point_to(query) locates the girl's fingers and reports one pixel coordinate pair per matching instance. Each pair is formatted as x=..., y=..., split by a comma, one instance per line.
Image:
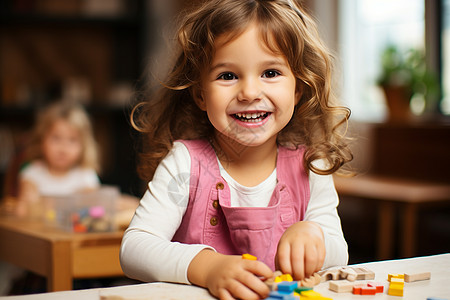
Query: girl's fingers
x=241, y=290
x=298, y=261
x=223, y=294
x=283, y=258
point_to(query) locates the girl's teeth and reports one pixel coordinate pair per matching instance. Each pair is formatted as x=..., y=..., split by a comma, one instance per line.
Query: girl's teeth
x=251, y=117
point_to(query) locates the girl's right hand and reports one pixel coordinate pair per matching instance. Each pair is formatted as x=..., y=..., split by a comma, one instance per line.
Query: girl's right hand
x=229, y=276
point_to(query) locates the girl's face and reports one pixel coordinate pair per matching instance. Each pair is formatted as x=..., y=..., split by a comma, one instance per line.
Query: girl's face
x=248, y=92
x=62, y=146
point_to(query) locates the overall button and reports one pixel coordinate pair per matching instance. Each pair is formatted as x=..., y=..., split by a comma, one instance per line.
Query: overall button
x=215, y=204
x=214, y=221
x=219, y=186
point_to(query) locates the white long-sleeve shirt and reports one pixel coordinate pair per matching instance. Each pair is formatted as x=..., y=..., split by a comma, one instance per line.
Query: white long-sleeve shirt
x=147, y=252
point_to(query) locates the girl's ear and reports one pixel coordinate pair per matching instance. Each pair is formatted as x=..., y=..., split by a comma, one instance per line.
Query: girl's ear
x=298, y=94
x=196, y=93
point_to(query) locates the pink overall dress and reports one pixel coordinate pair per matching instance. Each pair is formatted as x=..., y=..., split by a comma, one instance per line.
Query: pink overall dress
x=210, y=219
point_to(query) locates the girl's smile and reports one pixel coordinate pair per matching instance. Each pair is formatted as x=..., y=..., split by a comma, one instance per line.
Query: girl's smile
x=249, y=92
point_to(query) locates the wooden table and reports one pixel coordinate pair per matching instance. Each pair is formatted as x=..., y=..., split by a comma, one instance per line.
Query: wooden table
x=62, y=256
x=390, y=194
x=437, y=286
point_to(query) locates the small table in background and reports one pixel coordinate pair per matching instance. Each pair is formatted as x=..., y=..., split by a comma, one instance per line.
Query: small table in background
x=63, y=256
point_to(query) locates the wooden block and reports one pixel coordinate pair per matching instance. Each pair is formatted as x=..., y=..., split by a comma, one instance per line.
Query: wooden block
x=357, y=288
x=330, y=274
x=249, y=256
x=410, y=277
x=377, y=285
x=368, y=290
x=390, y=276
x=348, y=273
x=317, y=278
x=310, y=281
x=364, y=273
x=395, y=289
x=341, y=286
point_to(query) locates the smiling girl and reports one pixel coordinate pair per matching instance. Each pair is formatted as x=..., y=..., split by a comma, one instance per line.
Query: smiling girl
x=239, y=148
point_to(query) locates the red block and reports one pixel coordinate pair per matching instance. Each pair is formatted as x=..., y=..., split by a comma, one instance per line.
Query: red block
x=368, y=290
x=377, y=285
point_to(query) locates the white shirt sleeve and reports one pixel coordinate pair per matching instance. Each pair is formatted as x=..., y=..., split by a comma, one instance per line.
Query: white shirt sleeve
x=147, y=252
x=322, y=209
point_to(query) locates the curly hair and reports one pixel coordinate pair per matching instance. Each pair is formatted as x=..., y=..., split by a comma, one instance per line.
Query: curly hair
x=287, y=29
x=77, y=117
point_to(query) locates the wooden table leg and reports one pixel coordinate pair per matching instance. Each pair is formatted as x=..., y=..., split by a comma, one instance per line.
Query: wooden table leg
x=386, y=230
x=409, y=230
x=60, y=273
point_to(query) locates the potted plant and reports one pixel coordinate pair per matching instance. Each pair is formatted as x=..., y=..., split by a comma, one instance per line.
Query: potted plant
x=403, y=75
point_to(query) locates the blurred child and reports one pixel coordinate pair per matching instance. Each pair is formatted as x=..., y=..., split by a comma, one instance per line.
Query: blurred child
x=62, y=157
x=240, y=147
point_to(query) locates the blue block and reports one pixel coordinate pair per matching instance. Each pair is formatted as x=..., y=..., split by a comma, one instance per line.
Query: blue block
x=275, y=295
x=287, y=286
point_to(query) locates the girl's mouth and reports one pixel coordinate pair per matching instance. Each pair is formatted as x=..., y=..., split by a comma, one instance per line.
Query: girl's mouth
x=251, y=117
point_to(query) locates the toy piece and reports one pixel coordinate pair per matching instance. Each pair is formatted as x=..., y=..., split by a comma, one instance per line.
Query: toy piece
x=281, y=296
x=330, y=274
x=357, y=289
x=287, y=286
x=284, y=277
x=396, y=287
x=390, y=276
x=363, y=273
x=300, y=289
x=249, y=256
x=411, y=277
x=348, y=273
x=341, y=286
x=270, y=282
x=379, y=286
x=312, y=295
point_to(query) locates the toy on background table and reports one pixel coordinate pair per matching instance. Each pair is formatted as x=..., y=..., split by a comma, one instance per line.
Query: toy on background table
x=90, y=211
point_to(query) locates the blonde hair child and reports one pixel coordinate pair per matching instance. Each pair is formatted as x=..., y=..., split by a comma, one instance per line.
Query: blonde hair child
x=239, y=147
x=62, y=156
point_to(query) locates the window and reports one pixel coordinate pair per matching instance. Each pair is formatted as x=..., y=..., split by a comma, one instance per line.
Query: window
x=367, y=27
x=445, y=50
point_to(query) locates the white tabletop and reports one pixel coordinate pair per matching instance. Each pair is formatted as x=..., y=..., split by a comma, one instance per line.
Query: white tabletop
x=438, y=286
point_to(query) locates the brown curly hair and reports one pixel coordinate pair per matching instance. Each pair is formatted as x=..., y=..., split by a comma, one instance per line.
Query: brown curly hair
x=286, y=28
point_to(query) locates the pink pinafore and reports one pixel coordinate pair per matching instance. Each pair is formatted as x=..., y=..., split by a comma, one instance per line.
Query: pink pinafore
x=210, y=219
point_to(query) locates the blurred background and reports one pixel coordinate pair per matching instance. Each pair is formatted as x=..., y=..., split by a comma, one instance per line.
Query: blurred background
x=102, y=53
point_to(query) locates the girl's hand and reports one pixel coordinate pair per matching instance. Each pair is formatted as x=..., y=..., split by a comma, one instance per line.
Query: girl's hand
x=229, y=276
x=301, y=250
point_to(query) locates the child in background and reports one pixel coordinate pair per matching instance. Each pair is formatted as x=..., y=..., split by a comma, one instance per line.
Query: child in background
x=239, y=148
x=62, y=156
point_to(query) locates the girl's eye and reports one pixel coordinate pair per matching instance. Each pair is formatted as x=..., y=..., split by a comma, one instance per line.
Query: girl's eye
x=270, y=74
x=227, y=76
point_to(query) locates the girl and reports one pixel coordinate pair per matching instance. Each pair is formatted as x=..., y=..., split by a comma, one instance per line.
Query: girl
x=239, y=148
x=62, y=155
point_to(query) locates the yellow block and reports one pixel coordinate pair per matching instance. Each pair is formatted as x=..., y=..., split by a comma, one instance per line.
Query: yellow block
x=249, y=256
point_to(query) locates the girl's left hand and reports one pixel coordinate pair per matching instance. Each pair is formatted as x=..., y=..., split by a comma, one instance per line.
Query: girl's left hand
x=301, y=250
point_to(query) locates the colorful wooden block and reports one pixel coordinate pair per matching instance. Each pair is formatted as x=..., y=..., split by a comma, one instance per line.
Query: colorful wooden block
x=341, y=286
x=284, y=277
x=287, y=286
x=410, y=277
x=395, y=289
x=357, y=288
x=379, y=286
x=249, y=256
x=368, y=290
x=281, y=296
x=390, y=276
x=312, y=295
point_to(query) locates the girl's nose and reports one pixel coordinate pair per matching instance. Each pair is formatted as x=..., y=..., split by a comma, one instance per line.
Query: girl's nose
x=249, y=90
